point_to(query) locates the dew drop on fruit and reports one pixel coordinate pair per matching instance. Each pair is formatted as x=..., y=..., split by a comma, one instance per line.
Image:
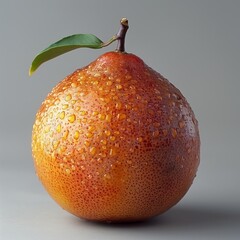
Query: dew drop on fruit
x=47, y=129
x=62, y=115
x=109, y=83
x=112, y=152
x=65, y=135
x=68, y=97
x=121, y=116
x=129, y=162
x=76, y=135
x=59, y=128
x=155, y=133
x=119, y=86
x=174, y=132
x=118, y=105
x=73, y=167
x=106, y=176
x=74, y=85
x=68, y=171
x=112, y=138
x=103, y=141
x=72, y=118
x=101, y=116
x=82, y=167
x=83, y=113
x=86, y=143
x=165, y=132
x=93, y=150
x=181, y=124
x=107, y=132
x=108, y=117
x=64, y=106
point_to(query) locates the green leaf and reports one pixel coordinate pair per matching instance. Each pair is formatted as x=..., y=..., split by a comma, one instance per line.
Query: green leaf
x=65, y=45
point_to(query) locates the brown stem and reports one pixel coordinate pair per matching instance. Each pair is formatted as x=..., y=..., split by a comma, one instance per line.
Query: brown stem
x=121, y=35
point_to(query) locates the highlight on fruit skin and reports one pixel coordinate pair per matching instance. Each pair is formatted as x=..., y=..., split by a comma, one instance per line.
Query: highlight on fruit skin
x=116, y=141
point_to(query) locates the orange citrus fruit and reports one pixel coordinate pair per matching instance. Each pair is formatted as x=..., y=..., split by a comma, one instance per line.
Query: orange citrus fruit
x=116, y=141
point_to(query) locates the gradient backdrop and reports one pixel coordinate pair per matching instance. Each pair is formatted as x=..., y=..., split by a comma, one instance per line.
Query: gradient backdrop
x=195, y=44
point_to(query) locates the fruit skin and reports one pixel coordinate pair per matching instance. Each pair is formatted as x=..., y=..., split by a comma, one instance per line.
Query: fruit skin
x=116, y=141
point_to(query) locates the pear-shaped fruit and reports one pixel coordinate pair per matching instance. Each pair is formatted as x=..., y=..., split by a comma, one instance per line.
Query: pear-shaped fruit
x=116, y=141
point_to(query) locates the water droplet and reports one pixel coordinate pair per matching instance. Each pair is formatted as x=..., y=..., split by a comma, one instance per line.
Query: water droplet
x=109, y=83
x=74, y=85
x=77, y=108
x=91, y=128
x=139, y=139
x=83, y=120
x=61, y=165
x=95, y=82
x=73, y=167
x=47, y=129
x=93, y=150
x=55, y=144
x=118, y=105
x=83, y=168
x=57, y=102
x=68, y=171
x=87, y=143
x=96, y=74
x=104, y=147
x=89, y=135
x=119, y=86
x=121, y=116
x=83, y=113
x=129, y=162
x=112, y=138
x=108, y=118
x=101, y=116
x=68, y=97
x=165, y=132
x=107, y=132
x=64, y=106
x=104, y=142
x=106, y=176
x=95, y=113
x=63, y=148
x=155, y=133
x=181, y=124
x=59, y=128
x=131, y=150
x=73, y=102
x=72, y=118
x=112, y=152
x=174, y=132
x=61, y=115
x=76, y=135
x=65, y=135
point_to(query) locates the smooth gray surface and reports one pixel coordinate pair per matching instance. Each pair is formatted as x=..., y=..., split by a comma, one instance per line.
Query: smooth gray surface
x=195, y=44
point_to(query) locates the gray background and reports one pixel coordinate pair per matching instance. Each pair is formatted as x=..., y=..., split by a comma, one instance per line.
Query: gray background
x=195, y=44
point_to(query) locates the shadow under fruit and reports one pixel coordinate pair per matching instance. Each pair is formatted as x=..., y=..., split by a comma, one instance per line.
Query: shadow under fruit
x=115, y=140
